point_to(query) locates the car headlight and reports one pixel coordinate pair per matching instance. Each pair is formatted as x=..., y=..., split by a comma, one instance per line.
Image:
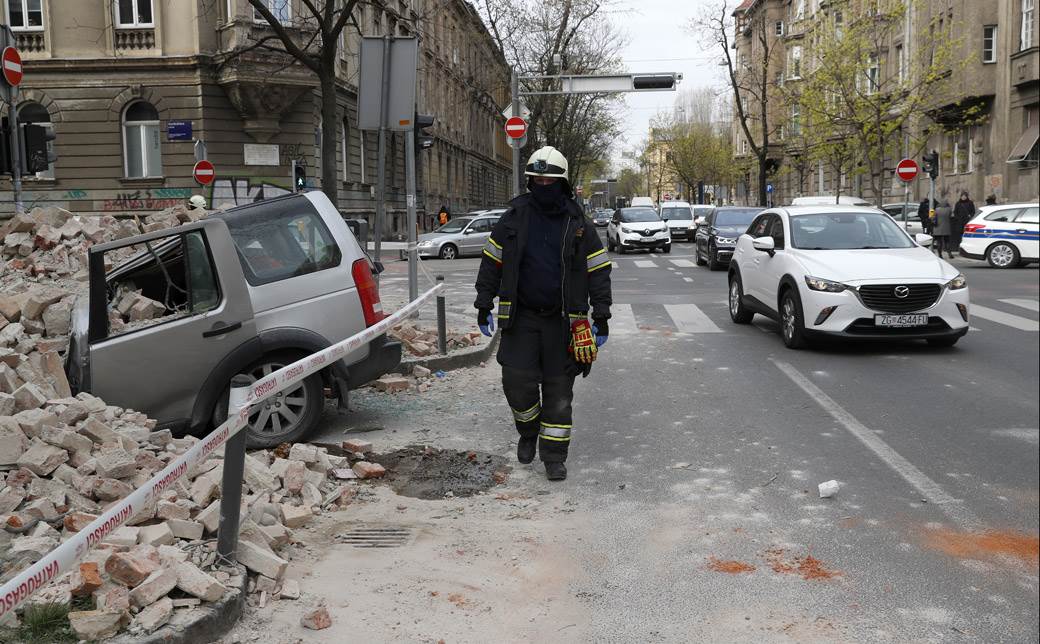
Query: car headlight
x=957, y=283
x=817, y=284
x=626, y=230
x=424, y=244
x=726, y=240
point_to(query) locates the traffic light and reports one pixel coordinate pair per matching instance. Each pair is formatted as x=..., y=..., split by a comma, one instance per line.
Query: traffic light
x=299, y=176
x=655, y=81
x=423, y=139
x=37, y=155
x=931, y=164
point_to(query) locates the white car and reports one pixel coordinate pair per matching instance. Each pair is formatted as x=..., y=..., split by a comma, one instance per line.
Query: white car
x=845, y=272
x=679, y=215
x=1006, y=236
x=828, y=200
x=640, y=227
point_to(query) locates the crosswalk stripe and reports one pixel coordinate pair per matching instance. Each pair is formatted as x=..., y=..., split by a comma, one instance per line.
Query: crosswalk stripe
x=622, y=320
x=1032, y=305
x=690, y=319
x=683, y=263
x=1000, y=317
x=645, y=263
x=687, y=279
x=613, y=265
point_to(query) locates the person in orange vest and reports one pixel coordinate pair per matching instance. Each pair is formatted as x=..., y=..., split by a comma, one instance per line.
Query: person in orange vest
x=443, y=216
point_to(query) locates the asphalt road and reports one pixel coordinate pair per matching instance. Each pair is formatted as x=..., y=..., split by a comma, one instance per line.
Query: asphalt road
x=699, y=444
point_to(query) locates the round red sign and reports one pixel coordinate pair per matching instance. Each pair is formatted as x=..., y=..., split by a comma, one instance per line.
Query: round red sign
x=11, y=64
x=204, y=173
x=907, y=170
x=516, y=128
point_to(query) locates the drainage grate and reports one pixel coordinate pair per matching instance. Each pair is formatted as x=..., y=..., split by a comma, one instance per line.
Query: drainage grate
x=376, y=537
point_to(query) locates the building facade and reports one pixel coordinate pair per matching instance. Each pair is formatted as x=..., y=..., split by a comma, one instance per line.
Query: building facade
x=132, y=87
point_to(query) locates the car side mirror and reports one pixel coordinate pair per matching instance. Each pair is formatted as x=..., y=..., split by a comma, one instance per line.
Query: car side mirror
x=764, y=244
x=923, y=239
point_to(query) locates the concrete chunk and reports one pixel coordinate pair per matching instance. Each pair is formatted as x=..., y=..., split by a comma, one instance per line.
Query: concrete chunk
x=115, y=462
x=366, y=470
x=157, y=585
x=159, y=534
x=93, y=625
x=260, y=561
x=182, y=529
x=13, y=442
x=154, y=616
x=28, y=396
x=210, y=517
x=128, y=569
x=42, y=459
x=295, y=516
x=197, y=583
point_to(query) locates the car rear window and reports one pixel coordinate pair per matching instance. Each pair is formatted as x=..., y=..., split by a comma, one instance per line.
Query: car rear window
x=275, y=247
x=1004, y=214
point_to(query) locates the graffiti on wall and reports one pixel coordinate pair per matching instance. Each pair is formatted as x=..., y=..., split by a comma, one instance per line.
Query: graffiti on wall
x=147, y=199
x=236, y=191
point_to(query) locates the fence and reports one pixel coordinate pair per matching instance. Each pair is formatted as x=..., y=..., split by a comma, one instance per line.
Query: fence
x=61, y=560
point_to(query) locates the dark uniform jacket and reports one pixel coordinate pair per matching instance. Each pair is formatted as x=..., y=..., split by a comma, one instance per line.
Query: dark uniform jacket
x=586, y=266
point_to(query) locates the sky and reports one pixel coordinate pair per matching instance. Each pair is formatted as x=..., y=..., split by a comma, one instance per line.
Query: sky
x=658, y=41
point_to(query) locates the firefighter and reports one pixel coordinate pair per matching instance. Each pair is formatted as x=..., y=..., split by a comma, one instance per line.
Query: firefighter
x=545, y=263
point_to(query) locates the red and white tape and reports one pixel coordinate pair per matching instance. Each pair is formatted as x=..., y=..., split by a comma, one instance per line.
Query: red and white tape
x=59, y=561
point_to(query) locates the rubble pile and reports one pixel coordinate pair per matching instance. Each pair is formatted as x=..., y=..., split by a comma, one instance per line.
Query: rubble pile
x=423, y=342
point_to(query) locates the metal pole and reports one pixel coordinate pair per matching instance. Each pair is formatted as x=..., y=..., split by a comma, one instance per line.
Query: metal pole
x=381, y=170
x=442, y=323
x=10, y=96
x=931, y=206
x=515, y=84
x=231, y=482
x=413, y=255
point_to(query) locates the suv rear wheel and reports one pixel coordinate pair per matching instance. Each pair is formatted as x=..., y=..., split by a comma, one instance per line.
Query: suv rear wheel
x=289, y=415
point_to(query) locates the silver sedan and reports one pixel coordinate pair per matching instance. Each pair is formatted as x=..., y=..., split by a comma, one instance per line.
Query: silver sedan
x=459, y=237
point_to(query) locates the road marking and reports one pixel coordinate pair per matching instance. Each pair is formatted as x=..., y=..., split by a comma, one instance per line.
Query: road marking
x=645, y=263
x=1032, y=305
x=683, y=263
x=1015, y=321
x=920, y=481
x=622, y=320
x=613, y=265
x=690, y=319
x=687, y=279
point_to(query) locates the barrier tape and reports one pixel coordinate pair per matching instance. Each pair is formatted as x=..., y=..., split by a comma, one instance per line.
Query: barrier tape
x=60, y=560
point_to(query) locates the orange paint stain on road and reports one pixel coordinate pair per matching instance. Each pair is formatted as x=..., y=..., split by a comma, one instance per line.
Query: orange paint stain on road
x=729, y=566
x=988, y=545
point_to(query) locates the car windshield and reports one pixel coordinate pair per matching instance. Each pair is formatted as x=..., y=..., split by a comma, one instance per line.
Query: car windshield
x=677, y=213
x=635, y=215
x=454, y=226
x=736, y=216
x=847, y=230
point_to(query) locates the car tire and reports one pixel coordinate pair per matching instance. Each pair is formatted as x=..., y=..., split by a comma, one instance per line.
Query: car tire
x=713, y=260
x=697, y=258
x=610, y=244
x=308, y=403
x=942, y=342
x=667, y=248
x=449, y=251
x=792, y=324
x=1002, y=255
x=620, y=248
x=737, y=311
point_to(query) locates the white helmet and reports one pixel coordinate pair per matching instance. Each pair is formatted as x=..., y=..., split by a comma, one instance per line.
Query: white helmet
x=547, y=162
x=197, y=201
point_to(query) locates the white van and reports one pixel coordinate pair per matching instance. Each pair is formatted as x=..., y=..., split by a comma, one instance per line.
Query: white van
x=830, y=200
x=646, y=202
x=679, y=215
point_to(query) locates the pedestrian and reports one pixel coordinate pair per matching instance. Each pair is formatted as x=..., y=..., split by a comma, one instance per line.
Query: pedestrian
x=546, y=264
x=443, y=216
x=924, y=214
x=963, y=211
x=991, y=199
x=941, y=230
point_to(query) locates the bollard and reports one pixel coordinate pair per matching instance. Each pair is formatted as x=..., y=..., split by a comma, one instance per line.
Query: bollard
x=442, y=323
x=231, y=483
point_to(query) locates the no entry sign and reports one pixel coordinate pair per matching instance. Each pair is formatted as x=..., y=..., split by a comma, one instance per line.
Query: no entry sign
x=11, y=63
x=907, y=170
x=204, y=173
x=516, y=127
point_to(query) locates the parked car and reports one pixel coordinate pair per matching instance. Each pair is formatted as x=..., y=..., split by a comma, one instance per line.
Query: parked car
x=246, y=291
x=638, y=227
x=679, y=215
x=897, y=211
x=830, y=200
x=717, y=235
x=462, y=236
x=1006, y=236
x=845, y=272
x=601, y=217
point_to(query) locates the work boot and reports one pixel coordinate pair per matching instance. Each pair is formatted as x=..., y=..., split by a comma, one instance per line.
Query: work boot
x=525, y=449
x=555, y=471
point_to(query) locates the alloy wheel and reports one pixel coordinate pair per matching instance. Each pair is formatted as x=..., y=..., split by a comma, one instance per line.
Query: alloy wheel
x=788, y=318
x=1002, y=255
x=734, y=298
x=280, y=414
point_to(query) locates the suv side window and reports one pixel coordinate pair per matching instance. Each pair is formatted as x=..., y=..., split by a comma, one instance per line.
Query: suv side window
x=286, y=245
x=759, y=227
x=777, y=231
x=1028, y=216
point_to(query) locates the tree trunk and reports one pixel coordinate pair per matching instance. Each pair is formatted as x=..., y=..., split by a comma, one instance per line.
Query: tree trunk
x=763, y=165
x=329, y=128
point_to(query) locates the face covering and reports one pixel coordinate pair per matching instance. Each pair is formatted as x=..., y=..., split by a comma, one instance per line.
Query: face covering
x=548, y=196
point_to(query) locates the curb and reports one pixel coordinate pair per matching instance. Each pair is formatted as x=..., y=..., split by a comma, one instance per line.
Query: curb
x=215, y=620
x=458, y=360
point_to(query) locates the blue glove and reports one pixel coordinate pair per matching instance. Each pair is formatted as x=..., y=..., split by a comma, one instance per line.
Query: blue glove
x=486, y=322
x=601, y=330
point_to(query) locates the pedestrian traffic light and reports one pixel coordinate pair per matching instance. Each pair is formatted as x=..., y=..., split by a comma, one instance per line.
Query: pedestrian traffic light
x=38, y=156
x=423, y=139
x=931, y=164
x=299, y=176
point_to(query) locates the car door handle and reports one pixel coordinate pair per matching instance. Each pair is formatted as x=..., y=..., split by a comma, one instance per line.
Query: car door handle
x=1020, y=230
x=222, y=329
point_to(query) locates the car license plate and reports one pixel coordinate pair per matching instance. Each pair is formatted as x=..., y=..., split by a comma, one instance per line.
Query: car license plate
x=648, y=239
x=916, y=319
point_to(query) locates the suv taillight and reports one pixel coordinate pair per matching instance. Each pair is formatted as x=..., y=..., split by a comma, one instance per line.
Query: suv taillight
x=970, y=228
x=368, y=291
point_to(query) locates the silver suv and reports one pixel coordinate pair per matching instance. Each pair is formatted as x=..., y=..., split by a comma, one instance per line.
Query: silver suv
x=245, y=291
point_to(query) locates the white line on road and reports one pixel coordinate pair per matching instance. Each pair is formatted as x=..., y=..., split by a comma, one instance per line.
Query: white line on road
x=1032, y=305
x=920, y=481
x=683, y=263
x=687, y=279
x=622, y=320
x=645, y=263
x=1015, y=321
x=613, y=265
x=690, y=319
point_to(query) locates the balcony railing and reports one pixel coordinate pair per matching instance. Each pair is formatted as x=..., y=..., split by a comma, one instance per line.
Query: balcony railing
x=134, y=39
x=30, y=41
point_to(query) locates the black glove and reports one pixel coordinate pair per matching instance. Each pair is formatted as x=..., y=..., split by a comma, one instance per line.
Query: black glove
x=573, y=368
x=602, y=331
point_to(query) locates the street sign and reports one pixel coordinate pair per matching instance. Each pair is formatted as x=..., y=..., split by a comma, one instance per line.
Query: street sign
x=11, y=62
x=907, y=170
x=516, y=127
x=204, y=173
x=525, y=112
x=178, y=130
x=400, y=94
x=667, y=197
x=518, y=143
x=769, y=188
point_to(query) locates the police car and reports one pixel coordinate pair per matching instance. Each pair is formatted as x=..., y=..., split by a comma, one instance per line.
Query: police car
x=1006, y=236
